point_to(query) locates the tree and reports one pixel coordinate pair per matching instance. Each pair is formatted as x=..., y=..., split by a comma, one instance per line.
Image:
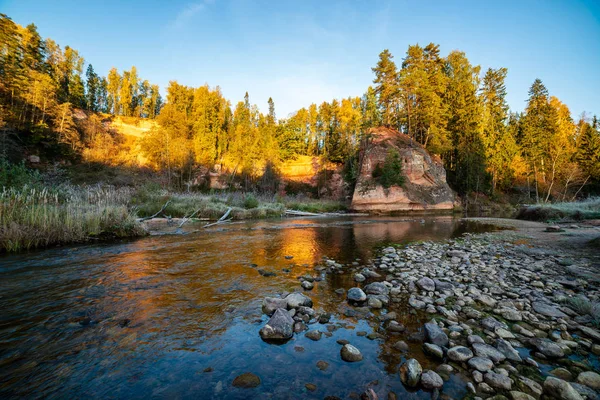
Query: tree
x=386, y=87
x=466, y=162
x=588, y=152
x=93, y=89
x=423, y=85
x=499, y=144
x=538, y=127
x=113, y=88
x=370, y=113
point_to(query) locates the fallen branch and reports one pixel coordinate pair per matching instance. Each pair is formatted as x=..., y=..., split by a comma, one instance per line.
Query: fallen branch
x=302, y=213
x=221, y=220
x=186, y=219
x=158, y=213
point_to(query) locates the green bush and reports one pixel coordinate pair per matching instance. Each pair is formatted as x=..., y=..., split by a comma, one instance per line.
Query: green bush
x=250, y=201
x=18, y=175
x=390, y=173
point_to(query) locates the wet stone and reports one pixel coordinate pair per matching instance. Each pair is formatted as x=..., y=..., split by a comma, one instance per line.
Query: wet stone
x=350, y=353
x=246, y=381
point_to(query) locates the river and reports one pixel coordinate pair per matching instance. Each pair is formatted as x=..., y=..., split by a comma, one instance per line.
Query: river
x=177, y=315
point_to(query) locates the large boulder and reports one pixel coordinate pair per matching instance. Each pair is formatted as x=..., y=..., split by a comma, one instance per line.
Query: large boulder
x=425, y=186
x=296, y=300
x=279, y=327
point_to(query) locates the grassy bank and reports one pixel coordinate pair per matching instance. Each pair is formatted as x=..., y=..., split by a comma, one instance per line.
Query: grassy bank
x=214, y=205
x=33, y=217
x=573, y=211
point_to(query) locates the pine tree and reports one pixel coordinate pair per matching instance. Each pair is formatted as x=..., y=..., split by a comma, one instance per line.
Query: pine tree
x=370, y=113
x=271, y=117
x=386, y=88
x=114, y=88
x=588, y=153
x=92, y=86
x=466, y=162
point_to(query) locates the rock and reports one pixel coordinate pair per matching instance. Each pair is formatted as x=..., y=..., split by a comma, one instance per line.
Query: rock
x=394, y=326
x=562, y=373
x=547, y=347
x=34, y=159
x=497, y=381
x=350, y=353
x=266, y=273
x=377, y=288
x=506, y=348
x=426, y=284
x=486, y=300
x=591, y=333
x=434, y=334
x=487, y=351
x=313, y=335
x=520, y=396
x=296, y=300
x=270, y=304
x=431, y=380
x=441, y=286
x=510, y=314
x=460, y=354
x=491, y=324
x=322, y=365
x=356, y=294
x=554, y=228
x=359, y=277
x=306, y=285
x=279, y=327
x=584, y=391
x=530, y=387
x=559, y=389
x=374, y=302
x=311, y=387
x=547, y=310
x=481, y=364
x=246, y=381
x=410, y=372
x=433, y=350
x=401, y=345
x=425, y=186
x=589, y=379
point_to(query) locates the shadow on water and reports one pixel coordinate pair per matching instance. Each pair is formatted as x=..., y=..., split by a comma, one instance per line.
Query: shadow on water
x=177, y=316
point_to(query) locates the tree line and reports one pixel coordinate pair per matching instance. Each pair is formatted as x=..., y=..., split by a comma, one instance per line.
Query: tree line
x=445, y=103
x=43, y=83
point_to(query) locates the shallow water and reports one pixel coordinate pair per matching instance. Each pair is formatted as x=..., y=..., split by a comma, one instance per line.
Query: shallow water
x=146, y=318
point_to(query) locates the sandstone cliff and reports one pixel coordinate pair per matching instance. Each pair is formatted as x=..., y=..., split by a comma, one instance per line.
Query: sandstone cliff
x=425, y=186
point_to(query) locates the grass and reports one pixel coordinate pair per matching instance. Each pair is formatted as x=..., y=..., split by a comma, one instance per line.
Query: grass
x=32, y=217
x=583, y=306
x=577, y=210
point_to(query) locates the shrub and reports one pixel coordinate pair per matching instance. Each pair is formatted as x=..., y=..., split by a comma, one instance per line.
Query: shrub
x=390, y=173
x=250, y=201
x=17, y=175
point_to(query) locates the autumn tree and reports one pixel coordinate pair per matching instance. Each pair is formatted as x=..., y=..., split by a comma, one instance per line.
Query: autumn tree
x=386, y=87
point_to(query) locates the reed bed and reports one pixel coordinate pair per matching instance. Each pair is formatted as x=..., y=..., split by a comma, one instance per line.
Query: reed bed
x=32, y=217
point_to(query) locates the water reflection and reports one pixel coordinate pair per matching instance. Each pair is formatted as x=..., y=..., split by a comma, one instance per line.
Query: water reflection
x=147, y=318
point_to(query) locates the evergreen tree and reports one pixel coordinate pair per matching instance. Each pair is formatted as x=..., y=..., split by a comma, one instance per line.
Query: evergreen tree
x=588, y=153
x=386, y=88
x=466, y=162
x=93, y=88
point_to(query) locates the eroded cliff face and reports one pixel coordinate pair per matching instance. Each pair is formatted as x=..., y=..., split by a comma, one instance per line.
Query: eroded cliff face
x=425, y=186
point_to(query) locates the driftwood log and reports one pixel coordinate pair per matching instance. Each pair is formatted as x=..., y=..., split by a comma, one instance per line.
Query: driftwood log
x=158, y=213
x=221, y=220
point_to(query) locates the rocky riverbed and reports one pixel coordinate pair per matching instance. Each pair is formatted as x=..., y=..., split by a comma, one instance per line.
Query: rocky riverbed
x=514, y=320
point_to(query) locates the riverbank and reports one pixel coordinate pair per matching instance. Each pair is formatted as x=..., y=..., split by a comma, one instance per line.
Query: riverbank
x=514, y=313
x=37, y=216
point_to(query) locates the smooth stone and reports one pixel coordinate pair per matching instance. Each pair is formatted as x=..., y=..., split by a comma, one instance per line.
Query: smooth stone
x=460, y=354
x=497, y=381
x=350, y=353
x=356, y=294
x=487, y=351
x=246, y=381
x=589, y=379
x=426, y=284
x=433, y=350
x=547, y=348
x=481, y=364
x=377, y=288
x=547, y=309
x=296, y=300
x=313, y=335
x=434, y=334
x=431, y=380
x=559, y=389
x=410, y=372
x=270, y=304
x=506, y=348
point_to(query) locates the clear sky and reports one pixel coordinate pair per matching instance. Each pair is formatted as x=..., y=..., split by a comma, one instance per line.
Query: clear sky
x=300, y=52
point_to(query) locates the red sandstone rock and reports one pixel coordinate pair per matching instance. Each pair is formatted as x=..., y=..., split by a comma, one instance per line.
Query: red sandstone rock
x=425, y=187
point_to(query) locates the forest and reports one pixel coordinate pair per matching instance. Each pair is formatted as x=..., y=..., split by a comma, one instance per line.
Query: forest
x=444, y=102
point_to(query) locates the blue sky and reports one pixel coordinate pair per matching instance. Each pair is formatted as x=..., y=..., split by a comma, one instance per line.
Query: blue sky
x=301, y=52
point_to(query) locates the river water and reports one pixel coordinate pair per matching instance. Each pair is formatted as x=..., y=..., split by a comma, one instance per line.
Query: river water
x=177, y=316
